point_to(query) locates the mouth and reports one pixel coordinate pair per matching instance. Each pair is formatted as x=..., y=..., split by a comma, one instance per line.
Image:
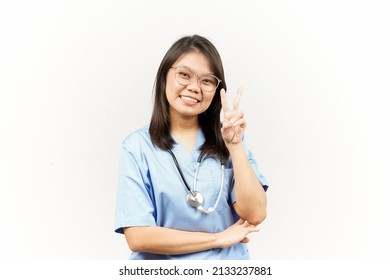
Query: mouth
x=188, y=98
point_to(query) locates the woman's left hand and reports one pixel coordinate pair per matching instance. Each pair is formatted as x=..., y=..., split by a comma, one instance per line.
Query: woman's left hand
x=234, y=124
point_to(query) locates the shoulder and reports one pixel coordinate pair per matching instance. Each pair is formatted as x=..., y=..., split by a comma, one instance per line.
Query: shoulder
x=138, y=140
x=139, y=135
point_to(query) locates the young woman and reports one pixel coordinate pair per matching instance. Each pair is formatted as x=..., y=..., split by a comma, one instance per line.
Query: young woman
x=189, y=188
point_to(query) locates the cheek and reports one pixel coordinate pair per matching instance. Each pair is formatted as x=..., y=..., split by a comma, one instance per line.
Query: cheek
x=170, y=90
x=168, y=87
x=172, y=87
x=209, y=97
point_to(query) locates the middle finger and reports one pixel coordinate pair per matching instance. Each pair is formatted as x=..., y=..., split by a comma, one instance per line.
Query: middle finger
x=236, y=102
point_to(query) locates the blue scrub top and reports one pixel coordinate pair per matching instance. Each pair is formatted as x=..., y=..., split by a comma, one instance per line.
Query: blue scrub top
x=152, y=193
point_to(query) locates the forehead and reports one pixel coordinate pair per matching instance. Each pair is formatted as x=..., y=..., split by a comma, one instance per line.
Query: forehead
x=195, y=60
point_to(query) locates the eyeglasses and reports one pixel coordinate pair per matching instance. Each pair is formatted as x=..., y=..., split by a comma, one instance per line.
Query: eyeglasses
x=185, y=76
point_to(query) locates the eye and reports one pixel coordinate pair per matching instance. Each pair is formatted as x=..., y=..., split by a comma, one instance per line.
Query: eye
x=184, y=74
x=209, y=80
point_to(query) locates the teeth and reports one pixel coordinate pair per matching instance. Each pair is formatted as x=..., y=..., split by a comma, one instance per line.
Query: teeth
x=189, y=98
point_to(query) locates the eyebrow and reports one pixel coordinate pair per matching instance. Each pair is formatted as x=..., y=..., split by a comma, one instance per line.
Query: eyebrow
x=180, y=65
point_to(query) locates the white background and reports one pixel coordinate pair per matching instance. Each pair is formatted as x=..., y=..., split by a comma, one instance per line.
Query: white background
x=76, y=77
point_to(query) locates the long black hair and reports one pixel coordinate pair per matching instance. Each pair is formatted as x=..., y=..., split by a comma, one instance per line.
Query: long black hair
x=209, y=121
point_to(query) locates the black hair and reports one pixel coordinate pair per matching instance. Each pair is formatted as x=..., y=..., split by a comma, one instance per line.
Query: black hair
x=209, y=121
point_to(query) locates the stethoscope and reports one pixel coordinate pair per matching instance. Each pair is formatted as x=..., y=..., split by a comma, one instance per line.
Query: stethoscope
x=194, y=198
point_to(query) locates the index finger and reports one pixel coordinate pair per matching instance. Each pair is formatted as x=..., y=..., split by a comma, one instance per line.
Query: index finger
x=224, y=103
x=236, y=102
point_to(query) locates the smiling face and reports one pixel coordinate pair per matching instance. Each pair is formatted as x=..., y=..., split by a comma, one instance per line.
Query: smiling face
x=187, y=102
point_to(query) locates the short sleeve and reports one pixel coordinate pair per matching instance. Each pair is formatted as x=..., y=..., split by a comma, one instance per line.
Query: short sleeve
x=135, y=202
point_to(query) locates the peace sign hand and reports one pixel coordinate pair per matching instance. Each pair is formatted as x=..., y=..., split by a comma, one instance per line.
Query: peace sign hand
x=234, y=124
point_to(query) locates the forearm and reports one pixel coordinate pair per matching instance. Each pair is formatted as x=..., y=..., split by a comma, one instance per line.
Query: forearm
x=160, y=240
x=250, y=196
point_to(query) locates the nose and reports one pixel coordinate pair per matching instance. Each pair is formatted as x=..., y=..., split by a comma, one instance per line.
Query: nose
x=195, y=85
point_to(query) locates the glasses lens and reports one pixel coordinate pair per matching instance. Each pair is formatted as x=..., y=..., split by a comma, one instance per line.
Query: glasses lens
x=186, y=76
x=208, y=83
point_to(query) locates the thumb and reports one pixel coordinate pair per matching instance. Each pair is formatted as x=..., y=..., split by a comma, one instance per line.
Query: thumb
x=245, y=240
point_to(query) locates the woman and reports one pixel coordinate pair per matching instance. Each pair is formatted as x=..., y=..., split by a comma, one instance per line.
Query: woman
x=189, y=188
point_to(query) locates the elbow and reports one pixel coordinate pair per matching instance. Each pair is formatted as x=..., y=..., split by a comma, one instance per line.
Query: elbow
x=258, y=218
x=134, y=241
x=253, y=216
x=134, y=247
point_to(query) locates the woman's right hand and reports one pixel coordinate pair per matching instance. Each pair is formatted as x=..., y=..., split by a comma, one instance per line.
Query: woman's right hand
x=235, y=233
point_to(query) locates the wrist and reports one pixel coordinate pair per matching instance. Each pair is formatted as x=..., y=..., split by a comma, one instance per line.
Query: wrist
x=217, y=241
x=234, y=147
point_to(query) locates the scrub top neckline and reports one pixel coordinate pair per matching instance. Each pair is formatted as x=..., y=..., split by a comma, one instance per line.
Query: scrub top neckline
x=184, y=155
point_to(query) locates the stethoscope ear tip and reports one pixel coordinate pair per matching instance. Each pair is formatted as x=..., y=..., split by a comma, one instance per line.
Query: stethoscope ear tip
x=208, y=211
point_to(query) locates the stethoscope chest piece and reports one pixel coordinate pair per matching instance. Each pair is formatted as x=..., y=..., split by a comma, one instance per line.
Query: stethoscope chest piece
x=194, y=199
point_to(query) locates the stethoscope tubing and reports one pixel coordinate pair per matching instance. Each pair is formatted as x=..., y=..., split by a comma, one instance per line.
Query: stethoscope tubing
x=180, y=171
x=193, y=192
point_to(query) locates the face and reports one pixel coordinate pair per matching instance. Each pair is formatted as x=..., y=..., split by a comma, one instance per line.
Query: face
x=188, y=101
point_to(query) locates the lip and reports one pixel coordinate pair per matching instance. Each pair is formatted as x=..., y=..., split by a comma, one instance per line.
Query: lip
x=188, y=98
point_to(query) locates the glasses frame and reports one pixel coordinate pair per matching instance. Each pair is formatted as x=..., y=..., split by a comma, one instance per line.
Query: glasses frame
x=198, y=78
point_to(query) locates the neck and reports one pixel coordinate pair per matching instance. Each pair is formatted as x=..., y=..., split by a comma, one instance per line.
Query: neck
x=185, y=130
x=179, y=125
